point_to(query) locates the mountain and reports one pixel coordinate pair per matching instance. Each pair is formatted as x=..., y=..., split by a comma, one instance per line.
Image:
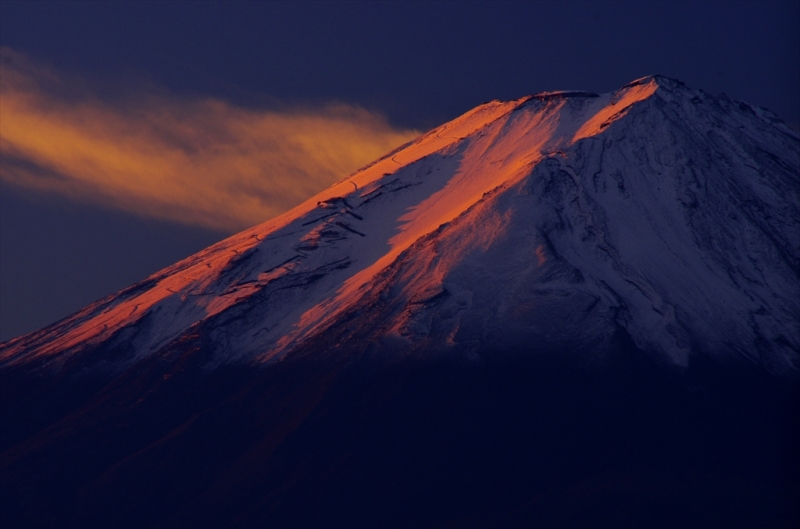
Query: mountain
x=572, y=309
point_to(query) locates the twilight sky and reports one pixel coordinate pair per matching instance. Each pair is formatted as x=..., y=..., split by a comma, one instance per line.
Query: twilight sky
x=133, y=134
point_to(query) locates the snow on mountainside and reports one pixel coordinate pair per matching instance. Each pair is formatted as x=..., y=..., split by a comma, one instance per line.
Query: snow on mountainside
x=553, y=220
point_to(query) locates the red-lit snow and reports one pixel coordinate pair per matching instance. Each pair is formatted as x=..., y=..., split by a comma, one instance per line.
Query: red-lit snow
x=567, y=214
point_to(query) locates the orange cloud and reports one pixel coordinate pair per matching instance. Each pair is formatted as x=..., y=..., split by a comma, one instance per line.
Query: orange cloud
x=199, y=161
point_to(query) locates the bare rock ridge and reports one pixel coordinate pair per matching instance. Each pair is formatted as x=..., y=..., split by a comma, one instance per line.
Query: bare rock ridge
x=553, y=219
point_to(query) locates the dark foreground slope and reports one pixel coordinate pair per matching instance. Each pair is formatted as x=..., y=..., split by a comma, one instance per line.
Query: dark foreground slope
x=321, y=443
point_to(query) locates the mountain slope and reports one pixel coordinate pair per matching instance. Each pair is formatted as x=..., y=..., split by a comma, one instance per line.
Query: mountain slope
x=569, y=310
x=658, y=208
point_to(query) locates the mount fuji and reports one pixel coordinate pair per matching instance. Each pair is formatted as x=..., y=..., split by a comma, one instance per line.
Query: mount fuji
x=570, y=309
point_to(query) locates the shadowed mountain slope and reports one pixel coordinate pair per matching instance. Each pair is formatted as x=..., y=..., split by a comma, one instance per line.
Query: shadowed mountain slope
x=570, y=309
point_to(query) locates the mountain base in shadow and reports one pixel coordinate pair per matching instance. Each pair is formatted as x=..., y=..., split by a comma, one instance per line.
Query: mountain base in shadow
x=342, y=443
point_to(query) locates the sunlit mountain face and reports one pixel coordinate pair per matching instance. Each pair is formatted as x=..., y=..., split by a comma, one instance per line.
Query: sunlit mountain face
x=567, y=310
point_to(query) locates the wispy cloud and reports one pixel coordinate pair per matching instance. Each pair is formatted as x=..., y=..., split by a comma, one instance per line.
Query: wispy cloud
x=200, y=161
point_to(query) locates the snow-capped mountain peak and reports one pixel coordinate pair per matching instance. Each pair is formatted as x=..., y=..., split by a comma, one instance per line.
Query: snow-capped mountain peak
x=555, y=221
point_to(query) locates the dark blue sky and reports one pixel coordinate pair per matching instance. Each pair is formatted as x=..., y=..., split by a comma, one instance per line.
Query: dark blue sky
x=417, y=63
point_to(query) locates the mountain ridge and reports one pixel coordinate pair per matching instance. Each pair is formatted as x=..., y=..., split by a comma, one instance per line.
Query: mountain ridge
x=564, y=311
x=542, y=129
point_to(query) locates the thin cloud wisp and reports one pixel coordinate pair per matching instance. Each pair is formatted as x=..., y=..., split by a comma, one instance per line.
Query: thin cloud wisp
x=203, y=161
